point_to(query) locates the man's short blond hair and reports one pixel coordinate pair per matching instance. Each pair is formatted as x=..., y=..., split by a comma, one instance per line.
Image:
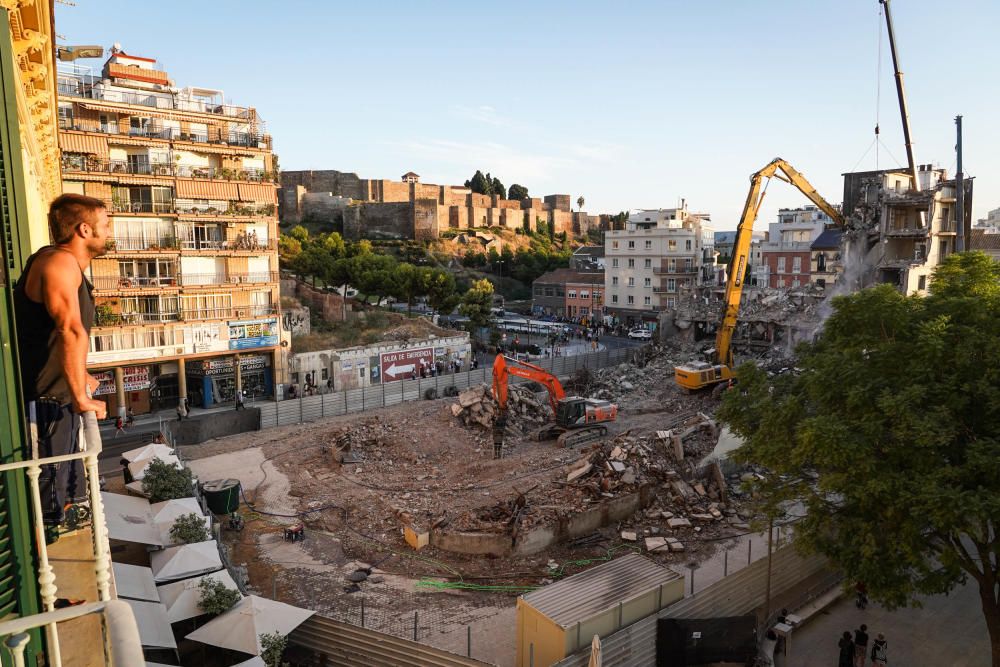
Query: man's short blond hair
x=69, y=211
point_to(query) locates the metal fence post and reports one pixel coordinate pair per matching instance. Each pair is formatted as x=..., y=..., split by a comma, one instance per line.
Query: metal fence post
x=363, y=397
x=725, y=563
x=345, y=399
x=414, y=626
x=468, y=641
x=322, y=405
x=749, y=547
x=362, y=611
x=300, y=408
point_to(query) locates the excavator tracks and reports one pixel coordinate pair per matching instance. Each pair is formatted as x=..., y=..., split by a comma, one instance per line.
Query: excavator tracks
x=581, y=436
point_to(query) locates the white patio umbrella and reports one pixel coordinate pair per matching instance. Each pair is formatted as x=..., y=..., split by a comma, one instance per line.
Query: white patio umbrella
x=255, y=661
x=240, y=628
x=187, y=560
x=165, y=515
x=138, y=468
x=181, y=597
x=150, y=451
x=595, y=652
x=133, y=581
x=154, y=630
x=129, y=519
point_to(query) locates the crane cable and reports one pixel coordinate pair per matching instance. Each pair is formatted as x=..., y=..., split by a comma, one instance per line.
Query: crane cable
x=878, y=81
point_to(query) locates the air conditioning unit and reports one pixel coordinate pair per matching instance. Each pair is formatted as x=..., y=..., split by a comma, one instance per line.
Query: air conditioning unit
x=178, y=350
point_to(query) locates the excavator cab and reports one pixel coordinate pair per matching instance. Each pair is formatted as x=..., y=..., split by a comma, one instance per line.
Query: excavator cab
x=570, y=411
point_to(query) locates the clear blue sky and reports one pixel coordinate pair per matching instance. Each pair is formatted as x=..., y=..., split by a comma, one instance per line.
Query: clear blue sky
x=631, y=104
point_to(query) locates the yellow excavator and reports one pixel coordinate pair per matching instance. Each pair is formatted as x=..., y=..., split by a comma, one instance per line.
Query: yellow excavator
x=719, y=366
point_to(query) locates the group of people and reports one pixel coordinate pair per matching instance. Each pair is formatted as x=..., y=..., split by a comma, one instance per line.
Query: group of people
x=855, y=652
x=247, y=241
x=122, y=423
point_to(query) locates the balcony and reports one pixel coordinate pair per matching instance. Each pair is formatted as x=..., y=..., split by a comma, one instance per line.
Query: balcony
x=118, y=206
x=133, y=282
x=77, y=163
x=680, y=270
x=214, y=279
x=77, y=566
x=237, y=244
x=233, y=208
x=141, y=243
x=227, y=313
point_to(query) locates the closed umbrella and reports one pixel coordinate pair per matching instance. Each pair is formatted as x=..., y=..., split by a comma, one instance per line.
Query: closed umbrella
x=239, y=629
x=595, y=652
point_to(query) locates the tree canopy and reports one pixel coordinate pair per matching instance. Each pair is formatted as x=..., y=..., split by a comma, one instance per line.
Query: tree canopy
x=477, y=303
x=517, y=192
x=888, y=434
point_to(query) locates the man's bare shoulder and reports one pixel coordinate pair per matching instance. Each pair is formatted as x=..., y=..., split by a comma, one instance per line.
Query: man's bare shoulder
x=60, y=265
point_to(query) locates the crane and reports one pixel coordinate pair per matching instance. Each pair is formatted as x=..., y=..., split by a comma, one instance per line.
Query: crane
x=719, y=368
x=577, y=419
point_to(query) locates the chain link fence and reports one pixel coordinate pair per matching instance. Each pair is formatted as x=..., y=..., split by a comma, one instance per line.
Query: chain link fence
x=309, y=408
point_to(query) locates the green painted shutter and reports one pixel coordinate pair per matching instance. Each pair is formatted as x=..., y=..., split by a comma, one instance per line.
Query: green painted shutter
x=18, y=583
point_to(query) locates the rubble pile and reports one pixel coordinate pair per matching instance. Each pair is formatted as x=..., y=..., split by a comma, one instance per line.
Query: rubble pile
x=526, y=410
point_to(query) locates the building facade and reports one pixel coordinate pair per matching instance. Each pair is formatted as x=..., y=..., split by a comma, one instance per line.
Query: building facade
x=786, y=254
x=660, y=256
x=826, y=262
x=568, y=293
x=187, y=298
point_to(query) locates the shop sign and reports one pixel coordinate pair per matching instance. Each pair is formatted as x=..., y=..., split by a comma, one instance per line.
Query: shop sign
x=346, y=365
x=404, y=364
x=136, y=378
x=107, y=380
x=224, y=365
x=253, y=333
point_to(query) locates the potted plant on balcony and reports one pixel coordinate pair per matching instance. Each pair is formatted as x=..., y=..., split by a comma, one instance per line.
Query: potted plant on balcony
x=106, y=316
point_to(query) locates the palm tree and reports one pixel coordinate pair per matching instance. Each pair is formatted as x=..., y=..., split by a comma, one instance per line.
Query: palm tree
x=579, y=203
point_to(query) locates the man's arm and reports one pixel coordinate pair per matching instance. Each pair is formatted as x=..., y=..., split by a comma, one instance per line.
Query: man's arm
x=60, y=282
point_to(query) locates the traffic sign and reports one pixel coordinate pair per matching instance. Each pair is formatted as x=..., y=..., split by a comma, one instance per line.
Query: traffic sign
x=404, y=364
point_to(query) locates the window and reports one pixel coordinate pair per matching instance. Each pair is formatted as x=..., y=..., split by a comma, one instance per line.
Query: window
x=361, y=373
x=671, y=285
x=671, y=302
x=821, y=262
x=549, y=291
x=781, y=266
x=796, y=265
x=631, y=299
x=672, y=265
x=614, y=281
x=795, y=282
x=614, y=298
x=539, y=291
x=631, y=263
x=687, y=244
x=922, y=283
x=781, y=282
x=295, y=378
x=944, y=249
x=584, y=310
x=647, y=282
x=324, y=374
x=571, y=294
x=631, y=245
x=671, y=245
x=631, y=281
x=646, y=301
x=584, y=294
x=649, y=244
x=614, y=244
x=647, y=264
x=614, y=263
x=687, y=264
x=560, y=291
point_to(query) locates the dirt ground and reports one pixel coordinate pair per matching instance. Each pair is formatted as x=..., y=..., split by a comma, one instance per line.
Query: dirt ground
x=416, y=462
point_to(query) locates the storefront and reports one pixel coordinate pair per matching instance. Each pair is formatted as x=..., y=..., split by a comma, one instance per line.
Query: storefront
x=211, y=382
x=145, y=388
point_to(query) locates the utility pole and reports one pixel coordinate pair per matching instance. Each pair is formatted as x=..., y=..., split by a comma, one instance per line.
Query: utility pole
x=960, y=195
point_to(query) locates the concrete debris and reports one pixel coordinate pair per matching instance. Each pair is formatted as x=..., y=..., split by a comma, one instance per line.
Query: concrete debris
x=525, y=411
x=628, y=535
x=656, y=544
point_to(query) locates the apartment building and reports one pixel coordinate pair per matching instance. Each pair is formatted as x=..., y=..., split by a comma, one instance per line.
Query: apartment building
x=908, y=230
x=660, y=256
x=786, y=253
x=826, y=261
x=187, y=298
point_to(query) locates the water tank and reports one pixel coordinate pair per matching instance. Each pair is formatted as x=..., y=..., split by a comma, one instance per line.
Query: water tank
x=222, y=495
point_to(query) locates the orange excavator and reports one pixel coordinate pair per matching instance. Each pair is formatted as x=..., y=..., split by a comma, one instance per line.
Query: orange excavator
x=577, y=419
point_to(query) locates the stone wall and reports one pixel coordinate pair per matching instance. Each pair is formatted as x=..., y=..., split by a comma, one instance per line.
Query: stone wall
x=330, y=306
x=559, y=202
x=379, y=221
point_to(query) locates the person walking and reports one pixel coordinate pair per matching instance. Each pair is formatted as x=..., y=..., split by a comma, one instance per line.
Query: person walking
x=119, y=425
x=860, y=645
x=54, y=311
x=180, y=411
x=846, y=645
x=239, y=400
x=879, y=653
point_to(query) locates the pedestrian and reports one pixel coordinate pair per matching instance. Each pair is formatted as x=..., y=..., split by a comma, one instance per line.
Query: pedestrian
x=54, y=311
x=860, y=645
x=239, y=400
x=846, y=645
x=181, y=411
x=129, y=418
x=187, y=408
x=879, y=651
x=119, y=425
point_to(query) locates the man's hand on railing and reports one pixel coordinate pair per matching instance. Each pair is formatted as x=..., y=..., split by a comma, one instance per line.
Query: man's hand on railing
x=99, y=408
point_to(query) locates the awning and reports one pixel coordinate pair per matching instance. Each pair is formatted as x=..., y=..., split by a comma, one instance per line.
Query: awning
x=154, y=628
x=135, y=582
x=181, y=597
x=129, y=519
x=259, y=192
x=147, y=452
x=187, y=560
x=76, y=142
x=138, y=468
x=134, y=110
x=239, y=629
x=125, y=140
x=165, y=515
x=190, y=189
x=221, y=149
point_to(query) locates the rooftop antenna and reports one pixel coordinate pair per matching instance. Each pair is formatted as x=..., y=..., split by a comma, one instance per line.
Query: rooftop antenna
x=911, y=164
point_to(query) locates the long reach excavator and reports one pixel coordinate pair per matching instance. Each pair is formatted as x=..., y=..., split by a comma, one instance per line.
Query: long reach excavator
x=577, y=419
x=719, y=366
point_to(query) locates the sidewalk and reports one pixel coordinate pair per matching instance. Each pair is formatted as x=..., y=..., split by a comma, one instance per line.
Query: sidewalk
x=948, y=630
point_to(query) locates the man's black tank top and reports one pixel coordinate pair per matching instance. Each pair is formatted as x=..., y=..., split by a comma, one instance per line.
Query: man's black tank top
x=39, y=344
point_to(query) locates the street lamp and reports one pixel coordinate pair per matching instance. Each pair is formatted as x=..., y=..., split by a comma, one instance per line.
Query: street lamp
x=500, y=283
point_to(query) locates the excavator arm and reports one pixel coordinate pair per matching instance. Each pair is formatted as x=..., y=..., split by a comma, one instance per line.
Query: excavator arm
x=503, y=367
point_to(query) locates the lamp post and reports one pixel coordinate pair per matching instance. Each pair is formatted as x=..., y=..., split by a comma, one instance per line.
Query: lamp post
x=500, y=283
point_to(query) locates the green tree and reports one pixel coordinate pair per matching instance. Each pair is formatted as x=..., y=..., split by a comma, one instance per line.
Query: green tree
x=580, y=201
x=215, y=597
x=441, y=291
x=480, y=184
x=498, y=188
x=299, y=233
x=289, y=249
x=477, y=303
x=517, y=192
x=888, y=436
x=188, y=529
x=375, y=276
x=272, y=647
x=164, y=481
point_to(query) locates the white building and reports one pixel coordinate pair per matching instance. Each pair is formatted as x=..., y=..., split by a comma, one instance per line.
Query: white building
x=990, y=222
x=785, y=255
x=659, y=257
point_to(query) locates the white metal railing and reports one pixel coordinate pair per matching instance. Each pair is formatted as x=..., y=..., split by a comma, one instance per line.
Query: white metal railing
x=90, y=449
x=122, y=645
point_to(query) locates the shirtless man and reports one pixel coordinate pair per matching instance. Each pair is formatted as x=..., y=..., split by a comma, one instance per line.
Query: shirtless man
x=54, y=310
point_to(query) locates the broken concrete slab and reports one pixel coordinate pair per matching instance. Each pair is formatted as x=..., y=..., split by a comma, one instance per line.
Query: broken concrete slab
x=656, y=543
x=628, y=535
x=579, y=472
x=678, y=522
x=674, y=544
x=418, y=539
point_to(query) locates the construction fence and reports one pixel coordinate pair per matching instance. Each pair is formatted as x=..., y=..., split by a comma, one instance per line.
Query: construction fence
x=309, y=408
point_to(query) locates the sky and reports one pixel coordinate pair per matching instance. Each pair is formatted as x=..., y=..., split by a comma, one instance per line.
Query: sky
x=630, y=104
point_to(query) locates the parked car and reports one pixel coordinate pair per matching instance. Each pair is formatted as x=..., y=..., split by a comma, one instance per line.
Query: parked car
x=640, y=334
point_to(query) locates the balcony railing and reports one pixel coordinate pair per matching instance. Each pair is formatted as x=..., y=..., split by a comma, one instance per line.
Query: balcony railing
x=142, y=207
x=237, y=312
x=132, y=243
x=90, y=450
x=233, y=208
x=76, y=163
x=662, y=271
x=229, y=244
x=213, y=136
x=196, y=279
x=133, y=282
